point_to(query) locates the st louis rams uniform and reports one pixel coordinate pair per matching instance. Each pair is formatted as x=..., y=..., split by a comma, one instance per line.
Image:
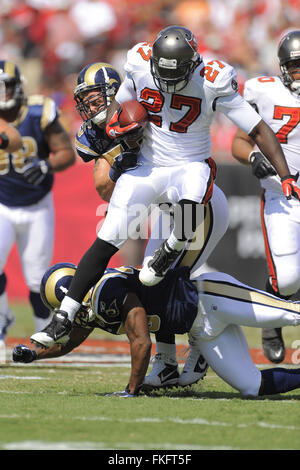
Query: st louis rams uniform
x=280, y=108
x=91, y=142
x=175, y=151
x=35, y=117
x=172, y=306
x=26, y=210
x=210, y=307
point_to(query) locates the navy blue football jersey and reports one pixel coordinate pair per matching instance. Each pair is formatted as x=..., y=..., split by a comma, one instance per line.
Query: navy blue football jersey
x=35, y=116
x=91, y=142
x=171, y=306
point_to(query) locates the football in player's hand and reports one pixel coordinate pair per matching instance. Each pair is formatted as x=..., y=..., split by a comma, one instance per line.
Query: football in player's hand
x=132, y=111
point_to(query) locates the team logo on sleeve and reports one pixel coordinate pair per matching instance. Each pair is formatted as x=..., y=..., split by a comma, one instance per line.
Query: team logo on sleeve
x=234, y=84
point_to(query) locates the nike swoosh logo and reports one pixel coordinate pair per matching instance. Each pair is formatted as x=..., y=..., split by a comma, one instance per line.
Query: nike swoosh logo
x=164, y=377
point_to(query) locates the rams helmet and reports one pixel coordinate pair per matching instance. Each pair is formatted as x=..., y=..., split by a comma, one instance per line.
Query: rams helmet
x=289, y=59
x=55, y=284
x=174, y=58
x=11, y=90
x=105, y=81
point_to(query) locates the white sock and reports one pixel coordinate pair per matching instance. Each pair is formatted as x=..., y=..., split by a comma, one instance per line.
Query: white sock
x=70, y=306
x=174, y=243
x=168, y=349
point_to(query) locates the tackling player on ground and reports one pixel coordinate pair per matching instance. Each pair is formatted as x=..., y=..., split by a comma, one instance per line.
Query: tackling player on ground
x=209, y=307
x=277, y=99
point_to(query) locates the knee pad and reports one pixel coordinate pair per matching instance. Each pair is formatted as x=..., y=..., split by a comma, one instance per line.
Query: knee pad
x=3, y=281
x=39, y=309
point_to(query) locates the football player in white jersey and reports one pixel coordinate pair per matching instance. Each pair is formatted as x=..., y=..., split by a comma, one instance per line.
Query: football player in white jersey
x=277, y=100
x=181, y=94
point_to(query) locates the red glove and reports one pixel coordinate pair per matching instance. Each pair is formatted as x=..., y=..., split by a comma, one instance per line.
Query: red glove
x=289, y=186
x=114, y=130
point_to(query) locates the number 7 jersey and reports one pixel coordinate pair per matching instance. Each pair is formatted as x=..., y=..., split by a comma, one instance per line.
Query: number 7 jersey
x=280, y=109
x=179, y=123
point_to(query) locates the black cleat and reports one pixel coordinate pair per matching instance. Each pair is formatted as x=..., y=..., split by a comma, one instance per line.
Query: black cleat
x=153, y=272
x=273, y=344
x=56, y=332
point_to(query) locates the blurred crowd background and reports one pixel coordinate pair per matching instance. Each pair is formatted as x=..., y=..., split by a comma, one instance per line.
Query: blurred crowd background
x=51, y=40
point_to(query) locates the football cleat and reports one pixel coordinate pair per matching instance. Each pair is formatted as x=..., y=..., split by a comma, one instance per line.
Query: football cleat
x=273, y=344
x=195, y=369
x=164, y=373
x=154, y=271
x=56, y=332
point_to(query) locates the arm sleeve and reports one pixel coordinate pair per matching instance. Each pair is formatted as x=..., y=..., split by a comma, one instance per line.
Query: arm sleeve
x=126, y=91
x=241, y=113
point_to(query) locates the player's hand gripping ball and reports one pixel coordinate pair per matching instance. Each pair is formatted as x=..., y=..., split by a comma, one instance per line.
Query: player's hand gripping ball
x=130, y=116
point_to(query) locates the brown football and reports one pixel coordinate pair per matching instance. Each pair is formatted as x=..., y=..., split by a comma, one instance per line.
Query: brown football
x=132, y=111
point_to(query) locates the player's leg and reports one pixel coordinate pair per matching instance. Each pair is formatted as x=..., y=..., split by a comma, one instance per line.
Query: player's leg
x=210, y=231
x=280, y=224
x=132, y=196
x=193, y=185
x=228, y=355
x=35, y=238
x=7, y=240
x=223, y=301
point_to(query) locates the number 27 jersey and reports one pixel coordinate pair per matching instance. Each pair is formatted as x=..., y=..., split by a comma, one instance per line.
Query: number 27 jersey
x=179, y=123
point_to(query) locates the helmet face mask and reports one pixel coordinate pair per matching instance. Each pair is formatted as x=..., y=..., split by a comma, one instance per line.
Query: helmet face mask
x=11, y=91
x=174, y=58
x=96, y=87
x=289, y=60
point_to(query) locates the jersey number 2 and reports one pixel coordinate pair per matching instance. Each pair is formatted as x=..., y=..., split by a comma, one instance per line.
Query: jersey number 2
x=154, y=101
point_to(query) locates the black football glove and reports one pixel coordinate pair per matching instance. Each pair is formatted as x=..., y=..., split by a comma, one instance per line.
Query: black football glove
x=124, y=162
x=36, y=170
x=261, y=167
x=23, y=353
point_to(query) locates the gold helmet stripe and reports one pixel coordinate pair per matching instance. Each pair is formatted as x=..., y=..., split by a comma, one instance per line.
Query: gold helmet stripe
x=89, y=76
x=10, y=69
x=51, y=284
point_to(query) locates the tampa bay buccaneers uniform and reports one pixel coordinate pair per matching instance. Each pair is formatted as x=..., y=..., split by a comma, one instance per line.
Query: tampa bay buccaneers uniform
x=279, y=106
x=175, y=151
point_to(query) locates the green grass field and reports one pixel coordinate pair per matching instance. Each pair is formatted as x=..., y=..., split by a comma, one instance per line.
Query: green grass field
x=65, y=407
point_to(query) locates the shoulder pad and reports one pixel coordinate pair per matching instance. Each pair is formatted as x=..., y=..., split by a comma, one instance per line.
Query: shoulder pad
x=44, y=108
x=83, y=146
x=138, y=57
x=257, y=85
x=220, y=78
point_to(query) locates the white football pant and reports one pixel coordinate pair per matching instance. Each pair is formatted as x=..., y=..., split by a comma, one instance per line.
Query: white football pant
x=225, y=304
x=32, y=229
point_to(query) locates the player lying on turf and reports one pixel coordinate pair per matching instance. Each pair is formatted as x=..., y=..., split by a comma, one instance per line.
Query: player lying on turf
x=210, y=308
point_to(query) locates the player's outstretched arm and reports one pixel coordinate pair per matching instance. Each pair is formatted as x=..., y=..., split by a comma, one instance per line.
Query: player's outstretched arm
x=137, y=330
x=10, y=138
x=24, y=354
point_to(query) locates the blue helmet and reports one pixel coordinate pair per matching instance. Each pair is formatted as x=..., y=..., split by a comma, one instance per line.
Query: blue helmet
x=55, y=284
x=102, y=78
x=11, y=90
